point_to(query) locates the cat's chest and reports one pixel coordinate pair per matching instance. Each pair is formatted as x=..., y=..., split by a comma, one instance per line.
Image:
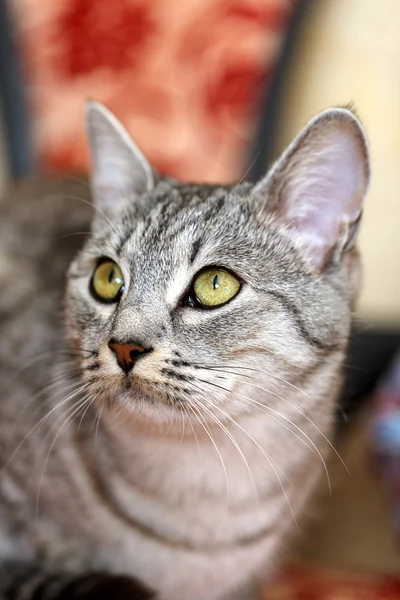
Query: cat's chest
x=176, y=516
x=197, y=496
x=196, y=541
x=189, y=549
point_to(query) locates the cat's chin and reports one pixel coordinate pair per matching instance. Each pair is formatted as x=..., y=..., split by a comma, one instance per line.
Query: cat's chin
x=152, y=403
x=147, y=406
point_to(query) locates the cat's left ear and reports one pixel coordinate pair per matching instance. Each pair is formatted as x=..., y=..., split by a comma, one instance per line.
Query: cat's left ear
x=119, y=171
x=318, y=185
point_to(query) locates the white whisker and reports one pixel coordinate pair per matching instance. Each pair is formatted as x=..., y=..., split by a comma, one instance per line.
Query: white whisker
x=327, y=440
x=271, y=410
x=208, y=433
x=267, y=457
x=297, y=409
x=185, y=407
x=263, y=372
x=235, y=444
x=88, y=203
x=98, y=418
x=68, y=418
x=40, y=423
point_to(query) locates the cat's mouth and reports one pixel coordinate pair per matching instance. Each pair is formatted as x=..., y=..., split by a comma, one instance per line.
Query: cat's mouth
x=160, y=384
x=171, y=392
x=161, y=387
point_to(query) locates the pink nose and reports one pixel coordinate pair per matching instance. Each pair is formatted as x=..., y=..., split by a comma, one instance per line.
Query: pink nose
x=127, y=354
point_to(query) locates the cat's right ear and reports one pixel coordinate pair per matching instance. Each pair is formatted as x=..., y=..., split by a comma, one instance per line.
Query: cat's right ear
x=119, y=171
x=317, y=187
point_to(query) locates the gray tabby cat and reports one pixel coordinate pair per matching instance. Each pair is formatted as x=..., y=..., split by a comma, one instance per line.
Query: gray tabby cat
x=173, y=430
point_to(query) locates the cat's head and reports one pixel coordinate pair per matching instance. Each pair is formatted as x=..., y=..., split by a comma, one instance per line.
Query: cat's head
x=184, y=291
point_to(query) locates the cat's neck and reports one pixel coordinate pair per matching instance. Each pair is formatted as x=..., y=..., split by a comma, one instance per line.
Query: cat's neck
x=181, y=480
x=194, y=460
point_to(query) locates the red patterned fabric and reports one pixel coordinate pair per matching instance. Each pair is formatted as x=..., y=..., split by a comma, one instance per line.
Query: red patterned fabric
x=311, y=584
x=182, y=75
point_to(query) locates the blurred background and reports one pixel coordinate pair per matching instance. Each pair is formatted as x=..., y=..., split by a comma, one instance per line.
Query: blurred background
x=213, y=90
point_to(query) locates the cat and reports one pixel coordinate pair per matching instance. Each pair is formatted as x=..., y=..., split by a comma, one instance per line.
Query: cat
x=165, y=420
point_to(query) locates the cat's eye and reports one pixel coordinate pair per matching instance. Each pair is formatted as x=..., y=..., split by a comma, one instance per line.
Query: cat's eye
x=107, y=282
x=215, y=286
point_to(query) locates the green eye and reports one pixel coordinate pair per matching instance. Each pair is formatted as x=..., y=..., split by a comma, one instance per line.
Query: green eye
x=107, y=282
x=215, y=286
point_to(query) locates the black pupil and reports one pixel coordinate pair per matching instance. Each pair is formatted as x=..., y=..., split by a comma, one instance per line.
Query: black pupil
x=215, y=282
x=111, y=276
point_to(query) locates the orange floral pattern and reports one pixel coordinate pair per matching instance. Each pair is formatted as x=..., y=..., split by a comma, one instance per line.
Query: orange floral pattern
x=184, y=77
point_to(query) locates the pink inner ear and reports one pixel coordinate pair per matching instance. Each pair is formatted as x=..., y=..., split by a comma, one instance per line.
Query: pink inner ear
x=324, y=188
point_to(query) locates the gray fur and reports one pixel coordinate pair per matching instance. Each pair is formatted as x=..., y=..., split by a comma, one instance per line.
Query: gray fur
x=191, y=472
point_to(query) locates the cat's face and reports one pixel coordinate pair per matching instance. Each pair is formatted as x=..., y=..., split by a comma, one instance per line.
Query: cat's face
x=189, y=298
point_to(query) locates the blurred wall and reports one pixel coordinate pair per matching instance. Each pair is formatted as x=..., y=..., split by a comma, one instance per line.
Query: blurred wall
x=349, y=50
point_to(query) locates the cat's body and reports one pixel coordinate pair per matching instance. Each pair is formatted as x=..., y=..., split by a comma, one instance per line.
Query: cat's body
x=198, y=502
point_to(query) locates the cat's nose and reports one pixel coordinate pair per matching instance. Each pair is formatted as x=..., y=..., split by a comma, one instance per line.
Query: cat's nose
x=127, y=353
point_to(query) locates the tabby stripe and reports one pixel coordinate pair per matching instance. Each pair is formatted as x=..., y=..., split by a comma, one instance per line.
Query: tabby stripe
x=124, y=238
x=309, y=372
x=20, y=581
x=50, y=588
x=149, y=532
x=326, y=347
x=34, y=585
x=195, y=250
